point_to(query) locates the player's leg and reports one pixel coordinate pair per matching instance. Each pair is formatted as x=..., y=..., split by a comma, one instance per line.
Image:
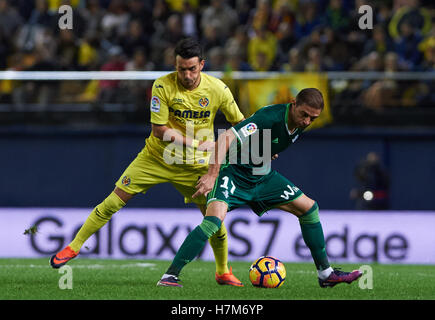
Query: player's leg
x=307, y=211
x=185, y=184
x=140, y=175
x=219, y=244
x=194, y=242
x=101, y=214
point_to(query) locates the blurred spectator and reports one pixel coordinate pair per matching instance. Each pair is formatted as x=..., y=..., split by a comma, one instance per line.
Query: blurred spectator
x=336, y=16
x=235, y=61
x=371, y=62
x=407, y=45
x=166, y=37
x=372, y=192
x=410, y=13
x=177, y=5
x=41, y=16
x=41, y=92
x=243, y=9
x=260, y=16
x=384, y=92
x=427, y=47
x=4, y=50
x=262, y=50
x=295, y=62
x=160, y=14
x=383, y=13
x=108, y=89
x=115, y=22
x=219, y=13
x=168, y=61
x=286, y=40
x=239, y=43
x=281, y=14
x=307, y=20
x=40, y=19
x=88, y=57
x=93, y=15
x=336, y=56
x=190, y=20
x=135, y=39
x=46, y=44
x=379, y=42
x=215, y=59
x=10, y=19
x=211, y=37
x=138, y=91
x=314, y=39
x=315, y=61
x=141, y=10
x=67, y=50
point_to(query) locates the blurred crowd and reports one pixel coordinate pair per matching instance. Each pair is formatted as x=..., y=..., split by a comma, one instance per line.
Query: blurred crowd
x=237, y=35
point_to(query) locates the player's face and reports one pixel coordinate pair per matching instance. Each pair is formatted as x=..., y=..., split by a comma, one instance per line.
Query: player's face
x=188, y=71
x=304, y=115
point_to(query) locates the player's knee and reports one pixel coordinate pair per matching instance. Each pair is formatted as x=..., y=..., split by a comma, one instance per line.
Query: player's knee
x=113, y=203
x=311, y=216
x=210, y=225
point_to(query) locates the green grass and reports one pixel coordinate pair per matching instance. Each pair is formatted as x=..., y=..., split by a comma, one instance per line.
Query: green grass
x=24, y=279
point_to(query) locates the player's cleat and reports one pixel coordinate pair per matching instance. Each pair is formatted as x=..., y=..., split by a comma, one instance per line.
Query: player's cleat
x=62, y=257
x=171, y=281
x=338, y=276
x=228, y=279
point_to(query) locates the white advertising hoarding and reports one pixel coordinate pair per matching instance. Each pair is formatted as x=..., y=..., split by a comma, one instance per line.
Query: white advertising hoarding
x=351, y=236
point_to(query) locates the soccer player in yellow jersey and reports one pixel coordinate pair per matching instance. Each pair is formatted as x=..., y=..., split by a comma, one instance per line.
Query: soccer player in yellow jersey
x=183, y=107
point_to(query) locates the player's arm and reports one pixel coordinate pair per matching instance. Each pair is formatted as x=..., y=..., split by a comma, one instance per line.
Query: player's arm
x=206, y=182
x=168, y=134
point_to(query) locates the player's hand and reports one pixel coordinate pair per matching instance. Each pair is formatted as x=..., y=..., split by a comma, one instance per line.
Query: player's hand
x=207, y=145
x=204, y=185
x=275, y=156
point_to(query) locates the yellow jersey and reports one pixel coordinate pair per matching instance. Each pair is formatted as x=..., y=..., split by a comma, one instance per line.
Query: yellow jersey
x=191, y=112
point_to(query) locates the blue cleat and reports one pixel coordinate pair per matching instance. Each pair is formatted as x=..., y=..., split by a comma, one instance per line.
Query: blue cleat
x=171, y=281
x=338, y=276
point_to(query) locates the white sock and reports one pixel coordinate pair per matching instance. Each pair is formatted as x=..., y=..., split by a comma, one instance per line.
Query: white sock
x=324, y=274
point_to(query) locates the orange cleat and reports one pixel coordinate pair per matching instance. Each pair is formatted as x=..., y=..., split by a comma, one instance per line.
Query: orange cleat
x=62, y=257
x=228, y=279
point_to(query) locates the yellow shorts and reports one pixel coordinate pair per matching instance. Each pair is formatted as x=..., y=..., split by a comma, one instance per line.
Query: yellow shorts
x=146, y=170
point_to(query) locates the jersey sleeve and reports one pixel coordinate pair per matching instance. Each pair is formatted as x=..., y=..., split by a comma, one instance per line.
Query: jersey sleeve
x=252, y=125
x=229, y=106
x=159, y=104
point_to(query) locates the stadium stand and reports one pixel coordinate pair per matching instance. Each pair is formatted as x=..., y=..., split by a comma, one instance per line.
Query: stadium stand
x=239, y=35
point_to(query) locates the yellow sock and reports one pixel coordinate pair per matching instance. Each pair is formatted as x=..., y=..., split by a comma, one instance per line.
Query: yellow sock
x=219, y=244
x=97, y=219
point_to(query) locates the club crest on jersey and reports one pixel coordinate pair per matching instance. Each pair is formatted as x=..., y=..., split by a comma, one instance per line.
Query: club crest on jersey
x=155, y=104
x=125, y=181
x=249, y=129
x=203, y=102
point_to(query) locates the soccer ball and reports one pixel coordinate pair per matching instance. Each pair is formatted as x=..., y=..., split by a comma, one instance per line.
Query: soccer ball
x=267, y=272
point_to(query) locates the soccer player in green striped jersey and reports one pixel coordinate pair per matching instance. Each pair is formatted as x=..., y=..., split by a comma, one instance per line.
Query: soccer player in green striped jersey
x=238, y=175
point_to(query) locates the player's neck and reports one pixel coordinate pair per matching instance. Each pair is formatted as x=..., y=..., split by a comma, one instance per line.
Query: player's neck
x=291, y=126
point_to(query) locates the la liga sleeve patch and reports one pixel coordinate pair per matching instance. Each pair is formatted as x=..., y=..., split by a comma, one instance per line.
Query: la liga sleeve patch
x=155, y=104
x=248, y=129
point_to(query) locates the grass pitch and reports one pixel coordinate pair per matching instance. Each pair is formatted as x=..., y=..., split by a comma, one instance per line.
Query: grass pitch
x=97, y=279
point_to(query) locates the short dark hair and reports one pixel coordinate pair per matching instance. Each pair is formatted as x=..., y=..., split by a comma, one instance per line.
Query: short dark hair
x=311, y=97
x=189, y=48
